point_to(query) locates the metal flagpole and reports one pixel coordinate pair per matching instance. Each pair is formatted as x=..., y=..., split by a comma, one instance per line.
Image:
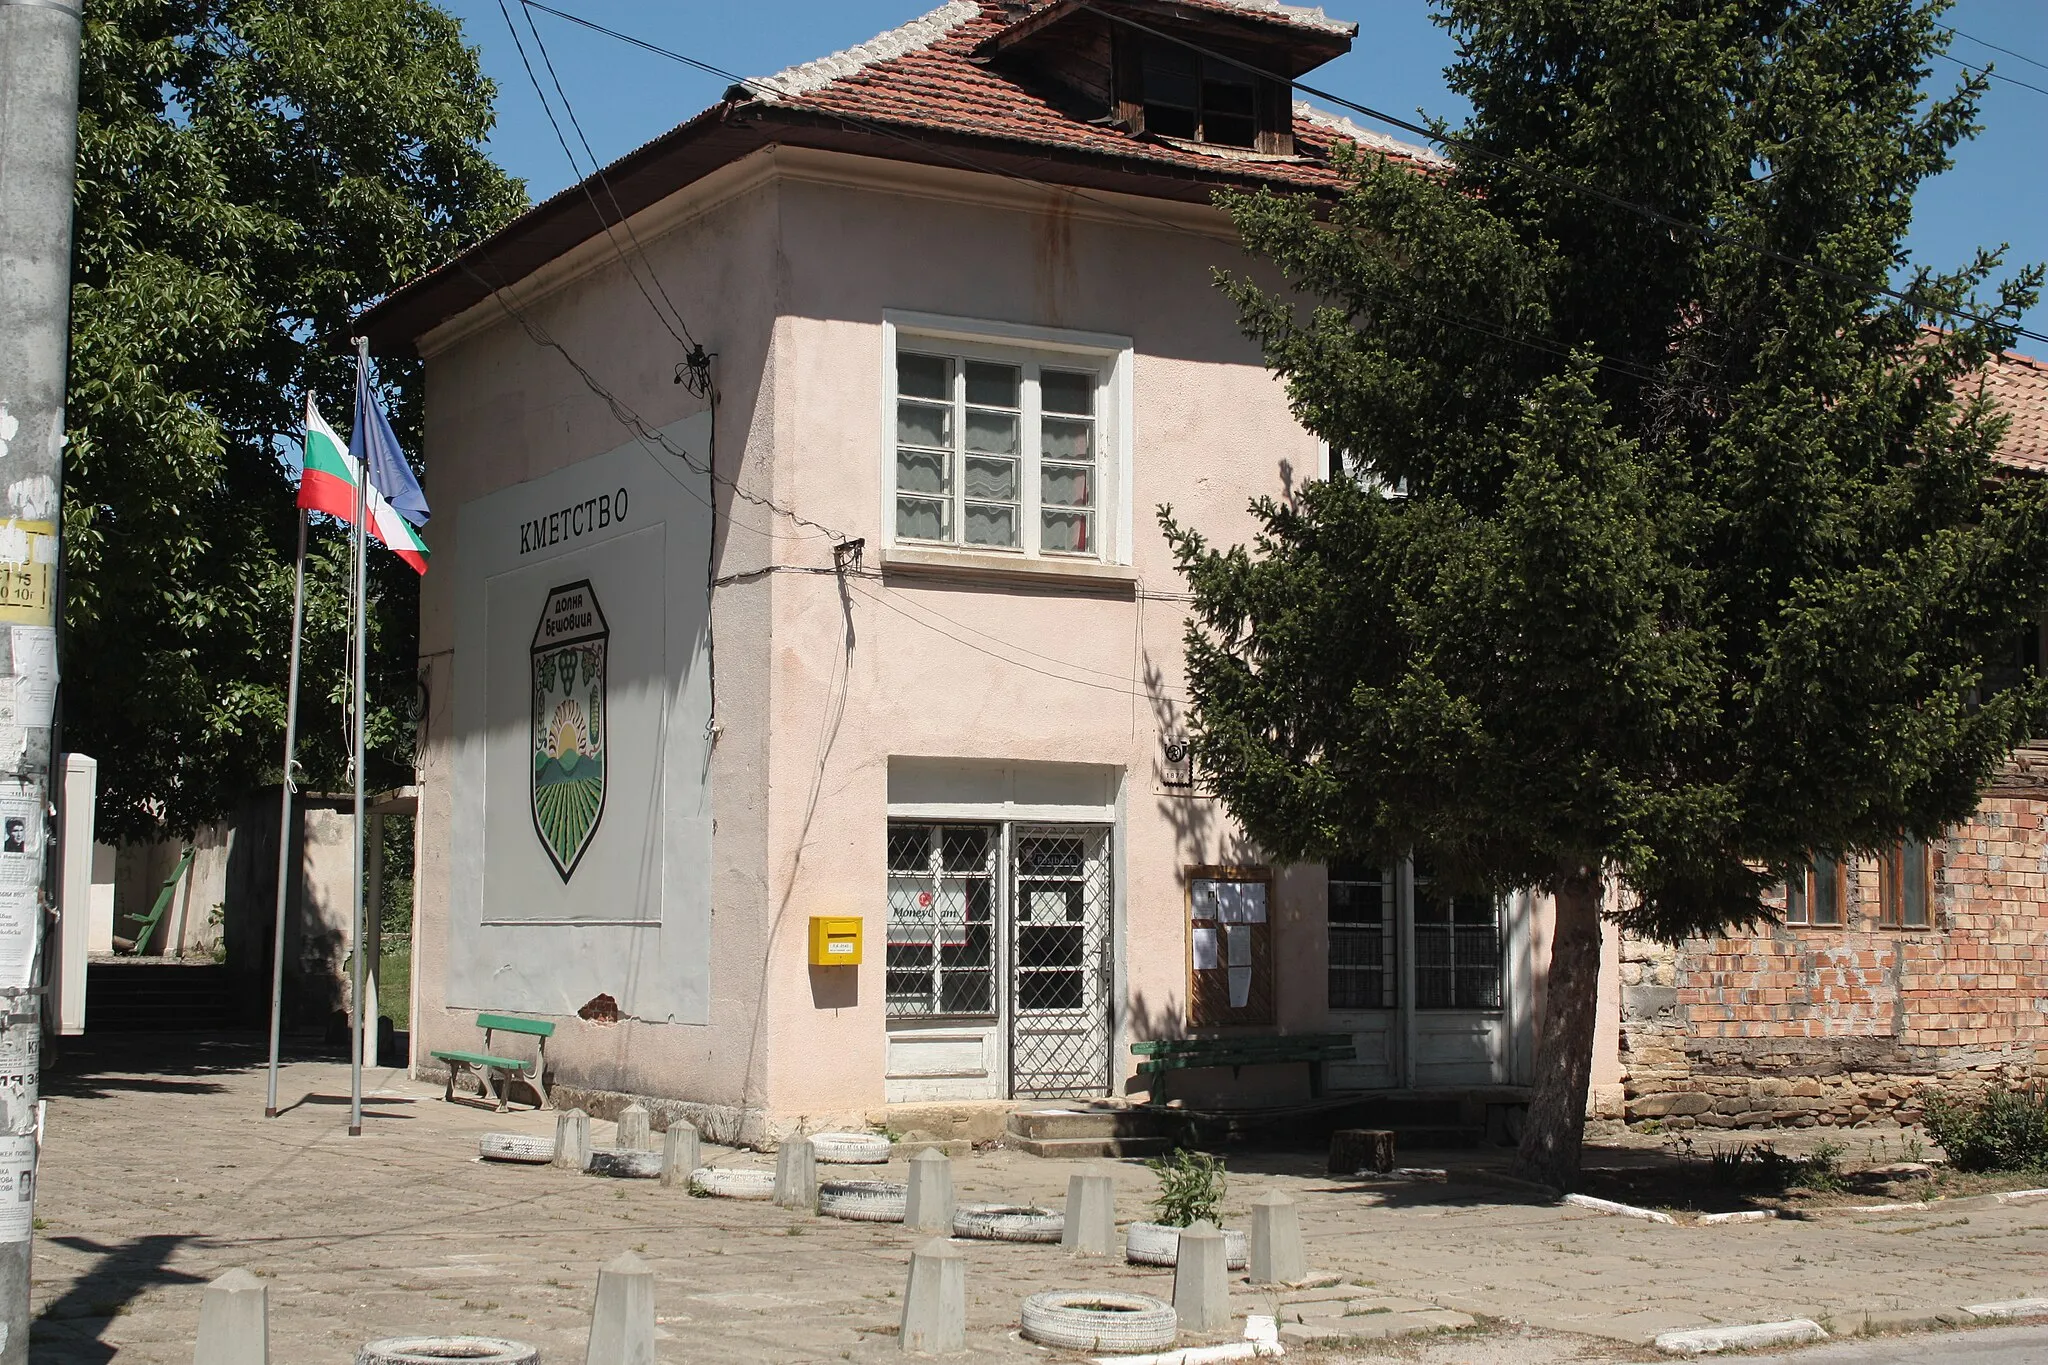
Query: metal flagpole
x=357, y=733
x=284, y=819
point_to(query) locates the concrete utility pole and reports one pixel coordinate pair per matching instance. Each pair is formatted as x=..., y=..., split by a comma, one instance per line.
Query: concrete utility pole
x=39, y=42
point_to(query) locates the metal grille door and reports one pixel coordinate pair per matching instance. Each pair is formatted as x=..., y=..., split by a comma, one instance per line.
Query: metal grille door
x=1060, y=921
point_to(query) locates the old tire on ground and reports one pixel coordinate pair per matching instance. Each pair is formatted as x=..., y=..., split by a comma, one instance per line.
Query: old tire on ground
x=864, y=1201
x=850, y=1149
x=1086, y=1320
x=430, y=1350
x=1159, y=1244
x=530, y=1148
x=733, y=1182
x=625, y=1165
x=1008, y=1223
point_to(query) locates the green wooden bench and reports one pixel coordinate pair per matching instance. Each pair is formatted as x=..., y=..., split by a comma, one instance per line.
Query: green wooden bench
x=504, y=1070
x=1165, y=1055
x=145, y=925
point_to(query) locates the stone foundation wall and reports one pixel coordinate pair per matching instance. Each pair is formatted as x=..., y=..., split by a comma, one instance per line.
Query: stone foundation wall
x=1797, y=1026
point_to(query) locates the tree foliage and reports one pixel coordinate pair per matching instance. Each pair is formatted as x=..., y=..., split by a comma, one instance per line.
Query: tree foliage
x=250, y=173
x=1666, y=546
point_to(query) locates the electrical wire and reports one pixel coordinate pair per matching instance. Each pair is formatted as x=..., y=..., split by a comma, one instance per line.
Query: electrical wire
x=1118, y=688
x=1986, y=71
x=1569, y=183
x=1981, y=42
x=604, y=182
x=626, y=417
x=584, y=181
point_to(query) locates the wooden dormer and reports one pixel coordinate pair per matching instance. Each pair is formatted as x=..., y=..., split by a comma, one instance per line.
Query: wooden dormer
x=1211, y=73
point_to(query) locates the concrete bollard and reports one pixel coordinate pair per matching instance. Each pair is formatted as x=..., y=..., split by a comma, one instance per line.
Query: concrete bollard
x=935, y=1300
x=1201, y=1279
x=636, y=1134
x=234, y=1322
x=796, y=1175
x=572, y=1141
x=622, y=1323
x=1276, y=1252
x=1091, y=1215
x=929, y=1206
x=681, y=1153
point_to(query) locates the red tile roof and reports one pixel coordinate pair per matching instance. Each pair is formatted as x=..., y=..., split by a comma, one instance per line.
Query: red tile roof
x=2019, y=385
x=923, y=76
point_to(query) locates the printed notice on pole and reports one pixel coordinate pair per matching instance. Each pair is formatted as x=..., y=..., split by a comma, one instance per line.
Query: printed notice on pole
x=35, y=675
x=28, y=572
x=20, y=909
x=17, y=1187
x=21, y=837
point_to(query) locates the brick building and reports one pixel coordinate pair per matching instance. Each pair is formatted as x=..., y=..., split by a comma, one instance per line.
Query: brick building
x=1887, y=973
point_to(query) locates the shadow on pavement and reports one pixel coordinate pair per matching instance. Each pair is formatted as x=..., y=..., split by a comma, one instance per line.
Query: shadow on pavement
x=69, y=1328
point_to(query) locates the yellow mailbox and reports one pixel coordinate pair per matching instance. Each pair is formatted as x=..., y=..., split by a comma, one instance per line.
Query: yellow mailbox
x=835, y=940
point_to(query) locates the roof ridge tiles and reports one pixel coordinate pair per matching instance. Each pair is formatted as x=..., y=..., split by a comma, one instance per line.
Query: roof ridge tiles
x=1365, y=137
x=1302, y=16
x=914, y=36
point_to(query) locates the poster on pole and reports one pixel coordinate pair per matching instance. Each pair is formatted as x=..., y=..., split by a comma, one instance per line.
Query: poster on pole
x=34, y=651
x=17, y=1187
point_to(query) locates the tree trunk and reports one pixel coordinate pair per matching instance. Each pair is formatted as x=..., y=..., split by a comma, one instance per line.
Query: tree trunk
x=1564, y=1063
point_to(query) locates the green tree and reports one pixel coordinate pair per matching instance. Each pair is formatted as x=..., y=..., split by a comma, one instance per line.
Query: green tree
x=1655, y=554
x=250, y=173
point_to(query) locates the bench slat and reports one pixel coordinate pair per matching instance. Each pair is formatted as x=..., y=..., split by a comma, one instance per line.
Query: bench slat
x=1155, y=1064
x=1175, y=1047
x=485, y=1059
x=505, y=1023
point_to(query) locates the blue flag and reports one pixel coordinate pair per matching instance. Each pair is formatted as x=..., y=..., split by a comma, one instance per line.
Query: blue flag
x=375, y=446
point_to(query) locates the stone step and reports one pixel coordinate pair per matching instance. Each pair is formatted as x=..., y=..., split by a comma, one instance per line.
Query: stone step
x=1085, y=1123
x=1086, y=1148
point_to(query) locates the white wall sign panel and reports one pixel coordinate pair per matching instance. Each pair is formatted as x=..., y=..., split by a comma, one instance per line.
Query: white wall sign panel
x=581, y=827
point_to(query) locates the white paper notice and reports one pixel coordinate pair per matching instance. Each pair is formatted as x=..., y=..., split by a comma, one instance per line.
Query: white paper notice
x=17, y=1187
x=35, y=672
x=21, y=839
x=1237, y=939
x=1241, y=902
x=20, y=908
x=1205, y=950
x=1240, y=987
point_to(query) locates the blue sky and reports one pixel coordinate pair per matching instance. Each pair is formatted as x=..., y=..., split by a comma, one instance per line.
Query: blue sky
x=1998, y=191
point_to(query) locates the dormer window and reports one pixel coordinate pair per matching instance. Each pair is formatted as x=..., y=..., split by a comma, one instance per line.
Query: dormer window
x=1199, y=98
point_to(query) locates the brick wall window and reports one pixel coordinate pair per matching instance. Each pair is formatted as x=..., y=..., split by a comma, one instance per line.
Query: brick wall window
x=1819, y=895
x=1906, y=887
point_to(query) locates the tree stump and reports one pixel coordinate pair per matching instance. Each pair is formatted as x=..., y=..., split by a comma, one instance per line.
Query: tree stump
x=1361, y=1149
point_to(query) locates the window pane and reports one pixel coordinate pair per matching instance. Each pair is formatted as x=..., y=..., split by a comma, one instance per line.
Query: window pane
x=996, y=386
x=1826, y=905
x=922, y=424
x=1172, y=77
x=941, y=944
x=1913, y=880
x=1063, y=438
x=995, y=432
x=988, y=478
x=1361, y=967
x=1065, y=485
x=991, y=523
x=924, y=376
x=1067, y=532
x=1065, y=391
x=924, y=471
x=924, y=519
x=1795, y=899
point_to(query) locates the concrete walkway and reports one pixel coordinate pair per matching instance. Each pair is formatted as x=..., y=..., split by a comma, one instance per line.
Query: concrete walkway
x=159, y=1175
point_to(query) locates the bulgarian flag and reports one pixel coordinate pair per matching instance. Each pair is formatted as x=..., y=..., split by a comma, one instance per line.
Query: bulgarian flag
x=329, y=485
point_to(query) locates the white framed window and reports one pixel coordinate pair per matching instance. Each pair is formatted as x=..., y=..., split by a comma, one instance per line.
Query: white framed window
x=1006, y=440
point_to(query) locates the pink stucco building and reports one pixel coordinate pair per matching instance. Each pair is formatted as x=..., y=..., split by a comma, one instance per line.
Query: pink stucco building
x=796, y=557
x=884, y=625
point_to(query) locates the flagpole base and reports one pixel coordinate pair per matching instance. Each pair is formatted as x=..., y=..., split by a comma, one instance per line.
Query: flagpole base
x=270, y=1113
x=355, y=1130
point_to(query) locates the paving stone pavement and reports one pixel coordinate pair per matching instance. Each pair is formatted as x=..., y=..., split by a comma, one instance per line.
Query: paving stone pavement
x=159, y=1174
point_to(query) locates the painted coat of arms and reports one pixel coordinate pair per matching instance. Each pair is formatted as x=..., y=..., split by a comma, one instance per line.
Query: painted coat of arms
x=568, y=723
